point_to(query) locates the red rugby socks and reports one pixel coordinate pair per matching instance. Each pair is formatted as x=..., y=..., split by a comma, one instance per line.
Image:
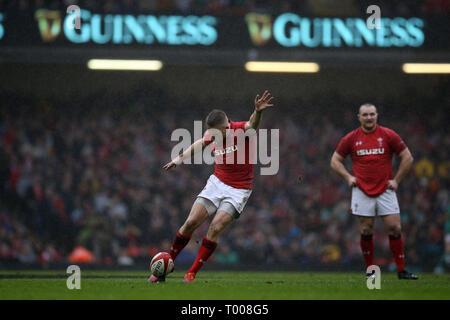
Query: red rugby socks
x=366, y=243
x=178, y=244
x=396, y=245
x=205, y=251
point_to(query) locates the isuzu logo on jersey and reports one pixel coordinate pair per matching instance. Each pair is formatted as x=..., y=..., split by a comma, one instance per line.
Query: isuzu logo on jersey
x=366, y=152
x=226, y=150
x=238, y=147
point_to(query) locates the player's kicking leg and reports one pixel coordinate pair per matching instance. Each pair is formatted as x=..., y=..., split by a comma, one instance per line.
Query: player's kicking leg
x=196, y=217
x=209, y=244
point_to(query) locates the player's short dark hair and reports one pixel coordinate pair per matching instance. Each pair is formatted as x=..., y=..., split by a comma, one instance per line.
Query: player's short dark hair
x=367, y=104
x=215, y=118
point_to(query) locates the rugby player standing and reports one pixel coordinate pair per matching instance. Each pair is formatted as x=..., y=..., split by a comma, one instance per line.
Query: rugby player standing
x=371, y=148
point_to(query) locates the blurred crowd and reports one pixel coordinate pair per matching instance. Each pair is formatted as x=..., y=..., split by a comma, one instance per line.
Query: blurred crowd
x=87, y=175
x=240, y=7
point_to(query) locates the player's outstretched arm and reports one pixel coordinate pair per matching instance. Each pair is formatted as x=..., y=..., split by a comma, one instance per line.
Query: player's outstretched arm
x=260, y=105
x=337, y=165
x=193, y=148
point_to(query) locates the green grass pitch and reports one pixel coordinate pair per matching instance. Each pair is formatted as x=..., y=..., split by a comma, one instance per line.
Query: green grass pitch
x=215, y=285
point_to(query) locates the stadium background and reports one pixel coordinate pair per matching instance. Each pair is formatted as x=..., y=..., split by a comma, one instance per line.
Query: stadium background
x=82, y=150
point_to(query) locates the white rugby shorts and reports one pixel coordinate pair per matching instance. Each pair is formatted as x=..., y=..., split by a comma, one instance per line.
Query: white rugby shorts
x=218, y=193
x=384, y=204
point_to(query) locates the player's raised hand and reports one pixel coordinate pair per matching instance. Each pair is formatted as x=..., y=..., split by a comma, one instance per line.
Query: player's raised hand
x=174, y=162
x=263, y=102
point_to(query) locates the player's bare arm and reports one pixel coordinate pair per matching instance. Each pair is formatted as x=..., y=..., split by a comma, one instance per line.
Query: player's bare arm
x=197, y=146
x=405, y=165
x=337, y=164
x=260, y=104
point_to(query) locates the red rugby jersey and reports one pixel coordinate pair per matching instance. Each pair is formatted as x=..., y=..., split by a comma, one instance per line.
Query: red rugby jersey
x=371, y=155
x=237, y=175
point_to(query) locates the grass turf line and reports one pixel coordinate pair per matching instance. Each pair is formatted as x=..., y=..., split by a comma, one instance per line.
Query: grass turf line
x=213, y=285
